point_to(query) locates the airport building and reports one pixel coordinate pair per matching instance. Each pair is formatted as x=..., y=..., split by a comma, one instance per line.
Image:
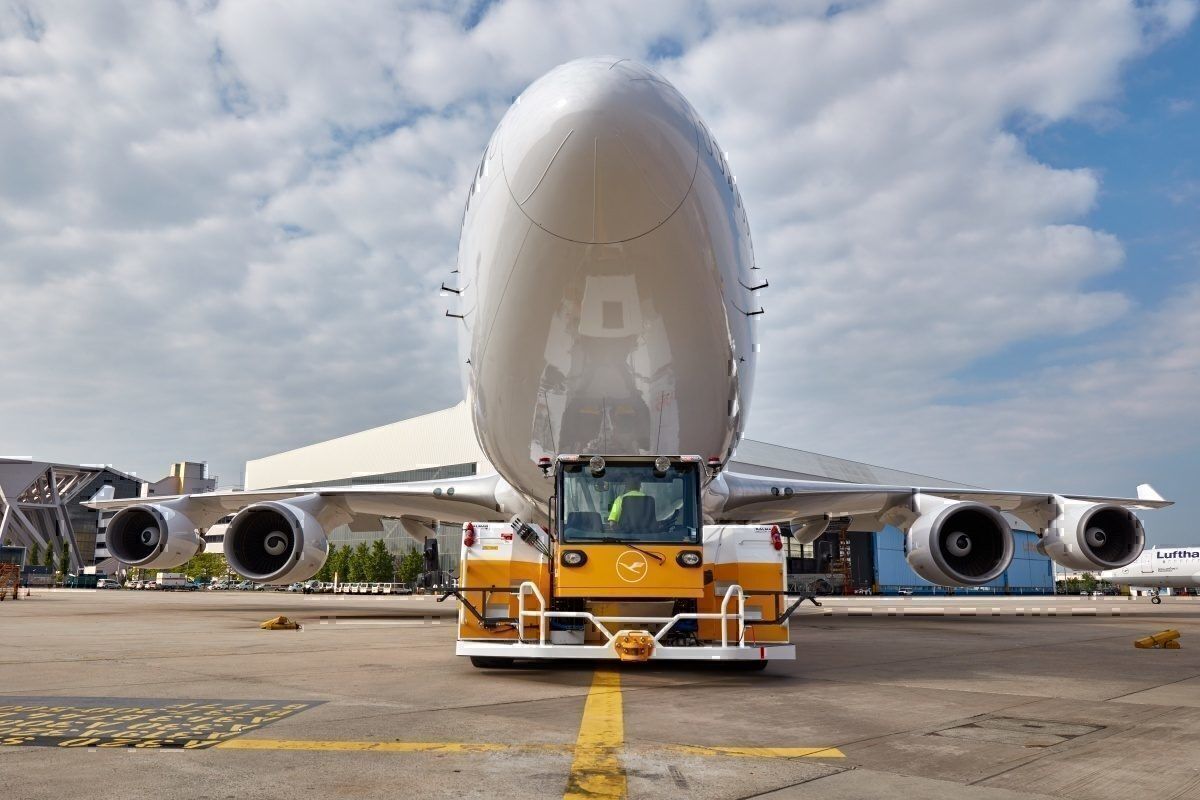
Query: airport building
x=42, y=504
x=442, y=445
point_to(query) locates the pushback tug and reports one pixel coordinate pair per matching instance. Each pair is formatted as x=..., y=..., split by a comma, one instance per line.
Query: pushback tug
x=626, y=570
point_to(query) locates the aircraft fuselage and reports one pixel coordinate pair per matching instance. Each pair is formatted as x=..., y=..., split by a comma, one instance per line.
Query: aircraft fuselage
x=1160, y=567
x=607, y=278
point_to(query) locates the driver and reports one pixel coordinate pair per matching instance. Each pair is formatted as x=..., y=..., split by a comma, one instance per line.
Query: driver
x=633, y=488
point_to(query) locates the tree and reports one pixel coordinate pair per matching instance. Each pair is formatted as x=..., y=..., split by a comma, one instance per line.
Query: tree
x=360, y=562
x=411, y=566
x=380, y=564
x=48, y=559
x=1088, y=582
x=65, y=561
x=35, y=555
x=206, y=565
x=325, y=573
x=341, y=565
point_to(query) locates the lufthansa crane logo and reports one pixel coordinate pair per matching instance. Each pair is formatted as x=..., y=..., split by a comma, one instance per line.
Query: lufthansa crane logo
x=632, y=566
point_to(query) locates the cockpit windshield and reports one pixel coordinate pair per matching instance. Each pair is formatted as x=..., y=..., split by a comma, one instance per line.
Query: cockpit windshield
x=630, y=502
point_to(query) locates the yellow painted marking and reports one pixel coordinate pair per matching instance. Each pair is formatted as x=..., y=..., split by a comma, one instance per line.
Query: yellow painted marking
x=759, y=752
x=596, y=772
x=495, y=747
x=381, y=747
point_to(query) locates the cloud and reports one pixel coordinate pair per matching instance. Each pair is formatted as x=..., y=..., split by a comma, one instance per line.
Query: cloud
x=223, y=225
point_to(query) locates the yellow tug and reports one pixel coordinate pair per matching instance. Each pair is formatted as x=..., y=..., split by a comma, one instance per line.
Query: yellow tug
x=627, y=570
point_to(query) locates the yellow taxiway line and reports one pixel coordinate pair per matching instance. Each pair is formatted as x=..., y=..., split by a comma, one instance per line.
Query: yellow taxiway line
x=384, y=747
x=596, y=771
x=497, y=747
x=758, y=752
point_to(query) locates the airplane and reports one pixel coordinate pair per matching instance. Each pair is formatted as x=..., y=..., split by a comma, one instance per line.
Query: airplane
x=1159, y=568
x=607, y=294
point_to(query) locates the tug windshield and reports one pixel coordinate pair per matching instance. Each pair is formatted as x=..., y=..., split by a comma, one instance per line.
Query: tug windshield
x=630, y=503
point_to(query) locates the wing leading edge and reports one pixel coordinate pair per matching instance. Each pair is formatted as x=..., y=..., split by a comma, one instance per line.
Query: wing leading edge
x=451, y=500
x=752, y=498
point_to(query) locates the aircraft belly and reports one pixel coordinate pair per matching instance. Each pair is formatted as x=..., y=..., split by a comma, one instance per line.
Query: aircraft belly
x=606, y=278
x=614, y=348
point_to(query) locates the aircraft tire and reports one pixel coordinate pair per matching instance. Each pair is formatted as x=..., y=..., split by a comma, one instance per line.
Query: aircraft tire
x=1156, y=600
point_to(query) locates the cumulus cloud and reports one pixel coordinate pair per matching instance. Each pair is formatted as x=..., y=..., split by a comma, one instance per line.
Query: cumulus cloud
x=223, y=225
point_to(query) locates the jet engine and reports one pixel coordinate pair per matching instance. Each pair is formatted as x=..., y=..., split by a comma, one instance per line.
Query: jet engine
x=281, y=541
x=958, y=543
x=1091, y=536
x=155, y=536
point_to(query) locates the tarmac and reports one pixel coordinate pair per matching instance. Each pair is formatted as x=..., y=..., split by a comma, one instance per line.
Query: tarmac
x=174, y=695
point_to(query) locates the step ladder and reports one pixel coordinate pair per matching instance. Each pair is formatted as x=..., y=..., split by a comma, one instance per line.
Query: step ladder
x=840, y=565
x=10, y=581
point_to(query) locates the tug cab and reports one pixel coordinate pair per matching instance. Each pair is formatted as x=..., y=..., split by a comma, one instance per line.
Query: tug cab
x=629, y=528
x=626, y=570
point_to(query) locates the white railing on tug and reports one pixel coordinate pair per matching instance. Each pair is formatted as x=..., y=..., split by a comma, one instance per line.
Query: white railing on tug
x=528, y=587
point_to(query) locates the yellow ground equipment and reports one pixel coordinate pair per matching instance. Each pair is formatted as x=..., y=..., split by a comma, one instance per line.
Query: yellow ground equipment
x=634, y=645
x=280, y=623
x=1165, y=640
x=625, y=570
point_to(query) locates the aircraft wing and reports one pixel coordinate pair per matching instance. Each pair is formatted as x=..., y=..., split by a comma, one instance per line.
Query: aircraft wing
x=753, y=498
x=451, y=500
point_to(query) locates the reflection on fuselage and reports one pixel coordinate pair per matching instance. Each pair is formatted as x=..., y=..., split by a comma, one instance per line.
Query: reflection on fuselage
x=586, y=344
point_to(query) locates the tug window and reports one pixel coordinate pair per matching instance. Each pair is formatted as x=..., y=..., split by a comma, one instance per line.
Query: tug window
x=630, y=503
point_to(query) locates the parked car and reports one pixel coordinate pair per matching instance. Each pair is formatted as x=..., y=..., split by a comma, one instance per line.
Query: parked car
x=905, y=592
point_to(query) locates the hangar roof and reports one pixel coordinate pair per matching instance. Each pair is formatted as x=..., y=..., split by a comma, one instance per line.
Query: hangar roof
x=428, y=445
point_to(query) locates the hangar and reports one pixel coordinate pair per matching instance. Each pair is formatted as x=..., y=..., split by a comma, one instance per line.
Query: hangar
x=442, y=445
x=41, y=505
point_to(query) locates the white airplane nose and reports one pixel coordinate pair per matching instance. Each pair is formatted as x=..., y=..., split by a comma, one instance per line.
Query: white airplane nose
x=600, y=151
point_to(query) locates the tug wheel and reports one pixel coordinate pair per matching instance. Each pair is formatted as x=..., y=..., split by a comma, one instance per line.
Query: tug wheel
x=491, y=662
x=752, y=666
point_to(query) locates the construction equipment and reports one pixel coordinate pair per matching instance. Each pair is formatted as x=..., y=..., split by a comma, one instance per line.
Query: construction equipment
x=1164, y=640
x=625, y=570
x=10, y=581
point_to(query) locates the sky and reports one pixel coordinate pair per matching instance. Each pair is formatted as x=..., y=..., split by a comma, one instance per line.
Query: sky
x=223, y=225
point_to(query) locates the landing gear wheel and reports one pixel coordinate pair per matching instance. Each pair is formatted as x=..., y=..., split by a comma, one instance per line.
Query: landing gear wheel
x=491, y=662
x=1156, y=599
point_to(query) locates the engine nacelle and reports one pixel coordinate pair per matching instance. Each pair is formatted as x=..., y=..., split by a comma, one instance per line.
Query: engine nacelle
x=1093, y=536
x=958, y=543
x=281, y=541
x=154, y=536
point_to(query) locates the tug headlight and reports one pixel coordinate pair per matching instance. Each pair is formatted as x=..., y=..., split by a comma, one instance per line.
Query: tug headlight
x=661, y=465
x=689, y=558
x=573, y=558
x=596, y=465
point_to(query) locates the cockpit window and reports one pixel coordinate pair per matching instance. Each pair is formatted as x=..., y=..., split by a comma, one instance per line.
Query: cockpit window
x=630, y=503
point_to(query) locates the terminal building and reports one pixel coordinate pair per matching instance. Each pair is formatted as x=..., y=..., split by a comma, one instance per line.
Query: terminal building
x=442, y=445
x=42, y=504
